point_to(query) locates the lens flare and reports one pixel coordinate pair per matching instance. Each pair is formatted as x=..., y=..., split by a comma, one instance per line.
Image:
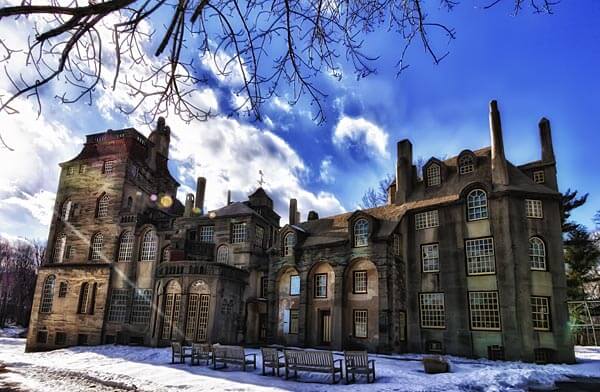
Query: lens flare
x=166, y=201
x=153, y=197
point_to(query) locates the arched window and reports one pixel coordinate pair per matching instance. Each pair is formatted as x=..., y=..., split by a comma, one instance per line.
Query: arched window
x=223, y=254
x=59, y=248
x=65, y=213
x=361, y=232
x=477, y=205
x=149, y=246
x=103, y=206
x=289, y=241
x=129, y=203
x=84, y=297
x=466, y=164
x=96, y=252
x=537, y=254
x=434, y=175
x=166, y=254
x=126, y=246
x=47, y=295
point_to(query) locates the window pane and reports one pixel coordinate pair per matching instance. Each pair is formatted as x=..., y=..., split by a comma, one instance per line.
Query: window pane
x=537, y=254
x=207, y=234
x=118, y=305
x=480, y=256
x=360, y=281
x=288, y=244
x=140, y=308
x=534, y=208
x=427, y=219
x=126, y=246
x=97, y=246
x=321, y=285
x=360, y=323
x=484, y=310
x=294, y=285
x=238, y=233
x=149, y=246
x=433, y=314
x=223, y=254
x=477, y=205
x=540, y=313
x=434, y=175
x=361, y=232
x=47, y=295
x=430, y=257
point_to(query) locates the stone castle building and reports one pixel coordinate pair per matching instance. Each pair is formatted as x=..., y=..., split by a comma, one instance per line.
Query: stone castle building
x=466, y=261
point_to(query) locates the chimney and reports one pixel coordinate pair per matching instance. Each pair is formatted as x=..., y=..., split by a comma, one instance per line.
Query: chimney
x=293, y=211
x=228, y=197
x=546, y=141
x=189, y=205
x=200, y=191
x=297, y=217
x=403, y=172
x=499, y=165
x=313, y=215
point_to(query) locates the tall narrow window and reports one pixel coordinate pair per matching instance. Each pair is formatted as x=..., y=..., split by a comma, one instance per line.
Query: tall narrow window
x=477, y=205
x=485, y=310
x=433, y=313
x=223, y=254
x=289, y=242
x=534, y=208
x=103, y=206
x=62, y=289
x=360, y=323
x=96, y=252
x=294, y=317
x=537, y=254
x=359, y=282
x=259, y=236
x=140, y=306
x=430, y=257
x=397, y=245
x=129, y=204
x=47, y=294
x=118, y=305
x=294, y=285
x=540, y=313
x=238, y=233
x=149, y=246
x=84, y=297
x=480, y=256
x=433, y=175
x=203, y=318
x=361, y=232
x=166, y=254
x=264, y=287
x=126, y=246
x=59, y=248
x=192, y=316
x=66, y=210
x=321, y=286
x=466, y=164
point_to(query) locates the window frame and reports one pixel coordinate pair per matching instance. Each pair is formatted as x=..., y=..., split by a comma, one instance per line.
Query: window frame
x=472, y=328
x=539, y=176
x=238, y=236
x=126, y=243
x=493, y=256
x=220, y=248
x=437, y=311
x=428, y=219
x=259, y=240
x=433, y=179
x=108, y=166
x=366, y=323
x=289, y=247
x=96, y=245
x=316, y=278
x=117, y=312
x=470, y=166
x=360, y=234
x=149, y=252
x=47, y=295
x=481, y=208
x=290, y=290
x=543, y=256
x=366, y=274
x=264, y=286
x=437, y=246
x=102, y=208
x=548, y=316
x=63, y=289
x=294, y=331
x=531, y=207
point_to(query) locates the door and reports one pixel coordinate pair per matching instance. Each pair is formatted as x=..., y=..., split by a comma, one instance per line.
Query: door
x=325, y=327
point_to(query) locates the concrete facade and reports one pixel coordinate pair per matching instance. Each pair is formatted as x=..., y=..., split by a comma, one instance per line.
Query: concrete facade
x=464, y=260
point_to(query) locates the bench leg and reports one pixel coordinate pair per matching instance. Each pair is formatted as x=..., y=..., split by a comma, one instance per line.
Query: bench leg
x=333, y=376
x=263, y=367
x=286, y=373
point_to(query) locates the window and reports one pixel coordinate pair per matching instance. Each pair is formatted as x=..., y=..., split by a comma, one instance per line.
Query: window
x=397, y=245
x=466, y=164
x=42, y=337
x=433, y=174
x=480, y=256
x=70, y=252
x=361, y=232
x=360, y=323
x=427, y=219
x=118, y=305
x=321, y=286
x=207, y=234
x=149, y=246
x=238, y=233
x=359, y=282
x=47, y=295
x=538, y=177
x=62, y=289
x=537, y=254
x=60, y=339
x=294, y=316
x=534, y=208
x=82, y=169
x=84, y=297
x=223, y=254
x=430, y=257
x=103, y=206
x=65, y=214
x=70, y=170
x=203, y=317
x=264, y=287
x=96, y=252
x=259, y=236
x=477, y=205
x=166, y=254
x=484, y=310
x=108, y=166
x=140, y=306
x=433, y=313
x=295, y=285
x=540, y=313
x=129, y=204
x=125, y=246
x=59, y=248
x=289, y=241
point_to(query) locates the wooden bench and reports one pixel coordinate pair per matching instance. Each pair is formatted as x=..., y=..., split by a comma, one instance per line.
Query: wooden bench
x=231, y=355
x=178, y=352
x=359, y=362
x=201, y=352
x=271, y=358
x=312, y=361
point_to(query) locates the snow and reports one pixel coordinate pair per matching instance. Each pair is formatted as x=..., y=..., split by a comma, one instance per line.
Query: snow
x=116, y=368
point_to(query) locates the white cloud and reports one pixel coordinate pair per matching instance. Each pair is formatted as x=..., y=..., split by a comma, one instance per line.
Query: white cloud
x=281, y=104
x=325, y=175
x=355, y=131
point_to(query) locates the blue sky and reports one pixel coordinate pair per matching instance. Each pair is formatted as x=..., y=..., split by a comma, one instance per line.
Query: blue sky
x=534, y=65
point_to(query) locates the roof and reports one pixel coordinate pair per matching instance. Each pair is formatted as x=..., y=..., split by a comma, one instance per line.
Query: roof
x=235, y=208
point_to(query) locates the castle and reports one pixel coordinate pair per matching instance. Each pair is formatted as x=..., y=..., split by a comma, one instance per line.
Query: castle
x=467, y=260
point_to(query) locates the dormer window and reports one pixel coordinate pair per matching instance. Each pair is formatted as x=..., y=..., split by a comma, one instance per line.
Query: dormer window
x=433, y=175
x=466, y=164
x=538, y=177
x=289, y=242
x=361, y=232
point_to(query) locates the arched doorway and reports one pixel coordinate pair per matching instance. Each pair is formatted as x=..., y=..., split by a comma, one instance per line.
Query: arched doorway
x=198, y=311
x=171, y=308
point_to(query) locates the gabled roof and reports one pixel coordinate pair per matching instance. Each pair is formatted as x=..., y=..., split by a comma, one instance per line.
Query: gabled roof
x=235, y=208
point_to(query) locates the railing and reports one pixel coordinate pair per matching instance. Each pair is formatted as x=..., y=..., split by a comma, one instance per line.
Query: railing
x=176, y=268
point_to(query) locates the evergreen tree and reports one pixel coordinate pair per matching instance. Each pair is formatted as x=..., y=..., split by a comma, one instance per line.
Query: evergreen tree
x=569, y=202
x=582, y=256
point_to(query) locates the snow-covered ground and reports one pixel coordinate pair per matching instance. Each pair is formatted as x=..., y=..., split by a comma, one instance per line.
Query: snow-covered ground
x=116, y=368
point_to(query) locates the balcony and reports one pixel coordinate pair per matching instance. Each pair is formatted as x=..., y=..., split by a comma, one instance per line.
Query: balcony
x=178, y=268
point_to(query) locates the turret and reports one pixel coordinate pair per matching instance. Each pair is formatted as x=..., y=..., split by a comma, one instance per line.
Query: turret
x=499, y=164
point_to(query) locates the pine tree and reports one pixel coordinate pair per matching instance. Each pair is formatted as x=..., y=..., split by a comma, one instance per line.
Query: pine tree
x=582, y=256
